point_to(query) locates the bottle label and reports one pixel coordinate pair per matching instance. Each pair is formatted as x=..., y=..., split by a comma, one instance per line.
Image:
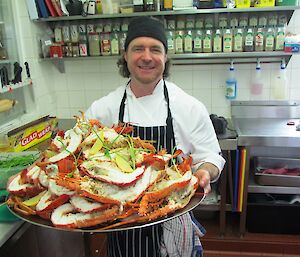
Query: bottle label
x=197, y=43
x=217, y=44
x=230, y=90
x=207, y=42
x=188, y=44
x=280, y=41
x=249, y=39
x=178, y=44
x=238, y=42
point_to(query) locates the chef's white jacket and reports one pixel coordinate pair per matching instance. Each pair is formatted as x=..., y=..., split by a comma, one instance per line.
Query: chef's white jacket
x=194, y=132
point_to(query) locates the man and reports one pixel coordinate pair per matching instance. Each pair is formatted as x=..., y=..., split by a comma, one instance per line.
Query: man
x=159, y=111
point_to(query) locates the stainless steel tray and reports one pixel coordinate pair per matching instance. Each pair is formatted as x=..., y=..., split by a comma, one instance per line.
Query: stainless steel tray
x=262, y=163
x=36, y=220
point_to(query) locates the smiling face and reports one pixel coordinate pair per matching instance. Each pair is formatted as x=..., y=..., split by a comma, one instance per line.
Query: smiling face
x=145, y=59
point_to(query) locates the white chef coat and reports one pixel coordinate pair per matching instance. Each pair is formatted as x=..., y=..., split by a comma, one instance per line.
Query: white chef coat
x=194, y=132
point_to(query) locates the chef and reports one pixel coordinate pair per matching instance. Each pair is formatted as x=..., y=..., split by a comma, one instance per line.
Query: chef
x=160, y=111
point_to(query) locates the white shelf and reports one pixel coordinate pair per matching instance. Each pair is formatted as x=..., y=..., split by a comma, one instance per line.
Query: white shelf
x=12, y=87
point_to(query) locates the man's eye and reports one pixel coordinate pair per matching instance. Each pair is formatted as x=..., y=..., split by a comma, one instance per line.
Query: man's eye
x=138, y=49
x=156, y=50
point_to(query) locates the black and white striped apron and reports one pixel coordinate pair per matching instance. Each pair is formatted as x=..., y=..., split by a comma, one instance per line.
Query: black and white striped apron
x=143, y=242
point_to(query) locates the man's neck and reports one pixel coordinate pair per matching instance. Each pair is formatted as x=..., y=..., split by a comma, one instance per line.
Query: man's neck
x=140, y=90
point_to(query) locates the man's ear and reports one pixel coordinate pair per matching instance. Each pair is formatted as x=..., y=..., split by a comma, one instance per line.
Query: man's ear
x=125, y=56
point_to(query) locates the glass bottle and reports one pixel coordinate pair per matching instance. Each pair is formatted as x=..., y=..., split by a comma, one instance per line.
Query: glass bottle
x=105, y=43
x=197, y=41
x=122, y=38
x=238, y=40
x=188, y=41
x=249, y=40
x=227, y=41
x=207, y=41
x=259, y=39
x=170, y=41
x=179, y=42
x=83, y=45
x=217, y=44
x=279, y=39
x=115, y=50
x=94, y=44
x=269, y=44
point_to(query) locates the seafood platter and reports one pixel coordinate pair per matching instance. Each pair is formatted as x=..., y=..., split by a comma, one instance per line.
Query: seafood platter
x=95, y=178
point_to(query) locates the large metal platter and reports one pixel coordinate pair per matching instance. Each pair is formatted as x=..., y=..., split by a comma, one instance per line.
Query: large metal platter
x=36, y=220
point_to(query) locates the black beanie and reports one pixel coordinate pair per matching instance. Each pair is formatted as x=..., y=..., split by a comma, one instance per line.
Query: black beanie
x=146, y=27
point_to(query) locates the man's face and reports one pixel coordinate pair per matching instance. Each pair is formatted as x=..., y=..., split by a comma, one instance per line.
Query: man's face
x=146, y=59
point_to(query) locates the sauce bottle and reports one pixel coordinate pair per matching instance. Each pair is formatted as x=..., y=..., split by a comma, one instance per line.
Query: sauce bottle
x=217, y=45
x=188, y=41
x=207, y=42
x=231, y=83
x=179, y=42
x=238, y=40
x=197, y=42
x=227, y=41
x=249, y=40
x=269, y=44
x=279, y=39
x=170, y=41
x=259, y=40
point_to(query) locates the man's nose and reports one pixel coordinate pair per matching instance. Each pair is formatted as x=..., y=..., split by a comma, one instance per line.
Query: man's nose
x=147, y=54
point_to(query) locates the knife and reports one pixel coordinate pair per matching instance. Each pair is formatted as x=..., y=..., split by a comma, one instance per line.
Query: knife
x=27, y=70
x=18, y=73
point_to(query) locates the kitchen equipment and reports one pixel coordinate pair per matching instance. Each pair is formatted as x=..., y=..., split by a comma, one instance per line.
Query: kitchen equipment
x=74, y=7
x=264, y=123
x=219, y=123
x=27, y=70
x=265, y=163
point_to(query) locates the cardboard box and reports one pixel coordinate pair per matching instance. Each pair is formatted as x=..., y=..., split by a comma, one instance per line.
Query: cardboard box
x=32, y=133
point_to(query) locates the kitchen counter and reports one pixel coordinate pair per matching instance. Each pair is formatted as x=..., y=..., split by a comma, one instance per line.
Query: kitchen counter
x=8, y=229
x=267, y=132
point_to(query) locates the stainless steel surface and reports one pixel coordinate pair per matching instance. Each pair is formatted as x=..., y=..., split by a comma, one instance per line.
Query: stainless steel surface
x=265, y=123
x=263, y=163
x=228, y=144
x=36, y=220
x=286, y=9
x=253, y=187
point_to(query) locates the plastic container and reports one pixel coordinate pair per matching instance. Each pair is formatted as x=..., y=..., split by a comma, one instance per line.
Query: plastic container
x=243, y=3
x=256, y=86
x=279, y=89
x=231, y=83
x=264, y=3
x=286, y=2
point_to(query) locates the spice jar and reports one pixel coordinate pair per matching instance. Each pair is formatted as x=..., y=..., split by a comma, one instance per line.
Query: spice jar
x=94, y=44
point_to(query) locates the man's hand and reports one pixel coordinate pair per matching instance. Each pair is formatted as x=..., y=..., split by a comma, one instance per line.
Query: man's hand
x=204, y=179
x=206, y=173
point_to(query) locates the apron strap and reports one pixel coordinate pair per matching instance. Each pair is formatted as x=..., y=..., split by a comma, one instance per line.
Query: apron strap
x=169, y=120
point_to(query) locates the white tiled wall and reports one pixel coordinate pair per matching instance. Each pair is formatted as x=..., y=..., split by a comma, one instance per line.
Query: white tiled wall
x=64, y=94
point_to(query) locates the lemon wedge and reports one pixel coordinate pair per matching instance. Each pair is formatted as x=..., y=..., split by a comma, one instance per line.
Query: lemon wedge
x=123, y=164
x=98, y=144
x=34, y=200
